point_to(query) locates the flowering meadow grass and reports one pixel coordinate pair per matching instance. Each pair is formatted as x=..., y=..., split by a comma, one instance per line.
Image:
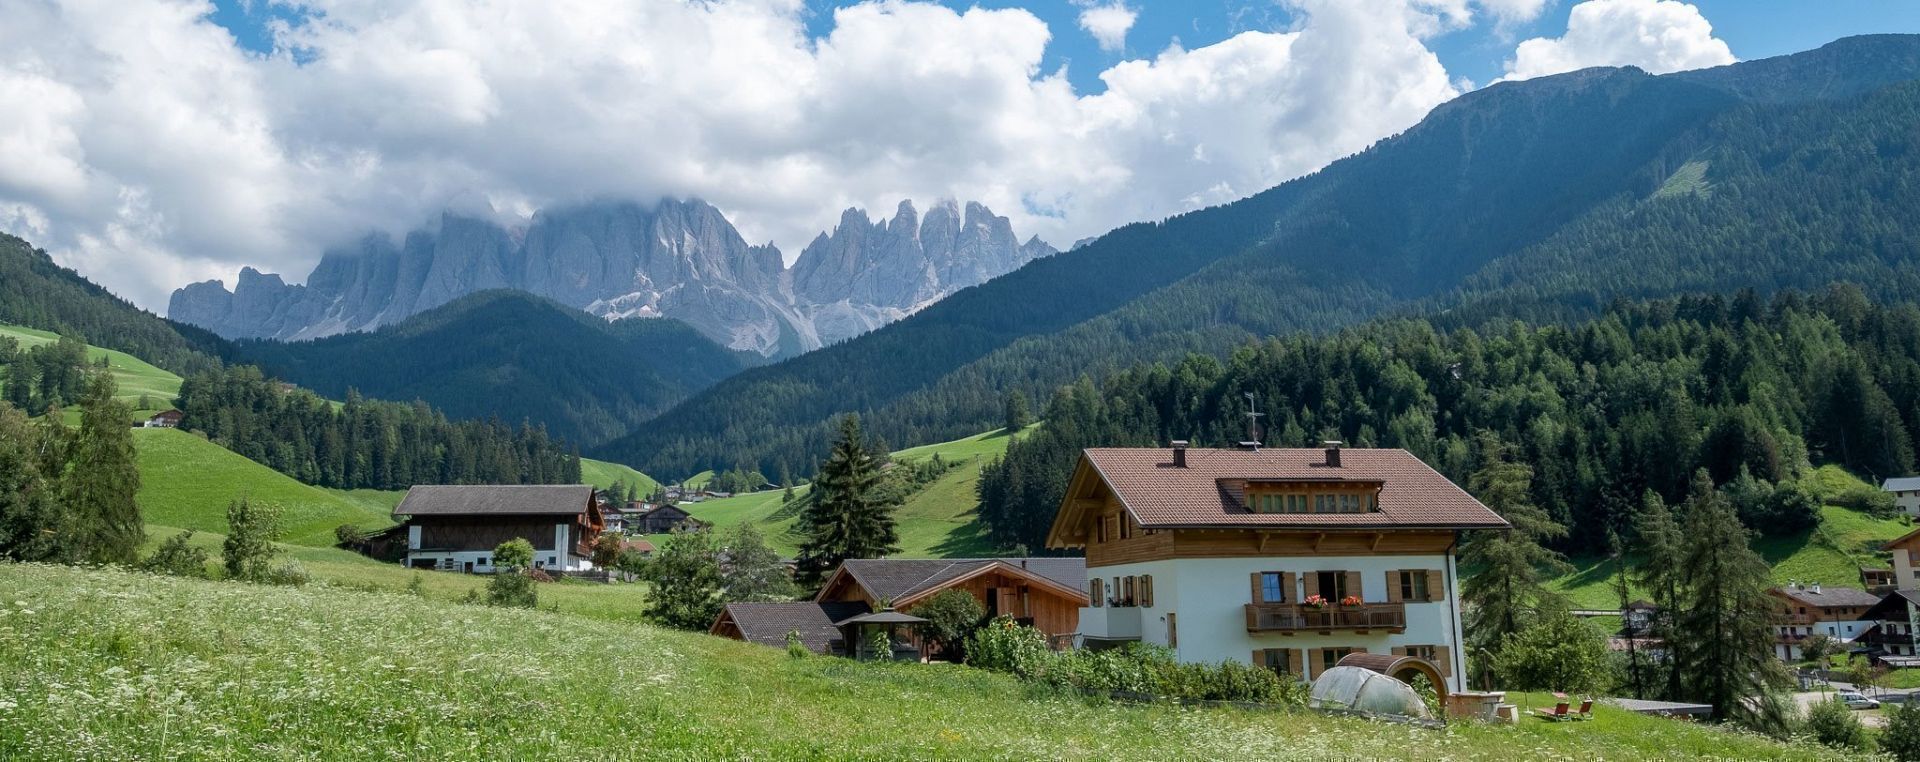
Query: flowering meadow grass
x=103, y=664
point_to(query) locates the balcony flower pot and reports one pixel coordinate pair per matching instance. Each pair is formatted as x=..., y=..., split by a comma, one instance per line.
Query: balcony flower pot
x=1314, y=603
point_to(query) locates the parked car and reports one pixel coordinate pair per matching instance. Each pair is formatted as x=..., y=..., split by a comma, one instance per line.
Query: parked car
x=1854, y=700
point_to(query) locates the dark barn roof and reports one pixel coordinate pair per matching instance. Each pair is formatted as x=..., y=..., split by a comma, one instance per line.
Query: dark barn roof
x=494, y=499
x=769, y=623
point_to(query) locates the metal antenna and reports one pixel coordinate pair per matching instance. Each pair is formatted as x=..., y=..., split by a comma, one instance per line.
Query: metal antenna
x=1253, y=419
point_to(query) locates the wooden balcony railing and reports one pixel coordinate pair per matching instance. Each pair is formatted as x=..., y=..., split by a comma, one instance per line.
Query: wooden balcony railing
x=1288, y=618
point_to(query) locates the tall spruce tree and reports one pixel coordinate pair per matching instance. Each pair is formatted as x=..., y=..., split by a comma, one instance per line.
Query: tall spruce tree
x=30, y=518
x=1723, y=634
x=848, y=517
x=1018, y=413
x=101, y=480
x=1662, y=574
x=1506, y=592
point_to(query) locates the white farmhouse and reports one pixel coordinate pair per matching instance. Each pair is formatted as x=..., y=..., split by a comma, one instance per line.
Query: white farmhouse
x=456, y=527
x=1906, y=493
x=1288, y=558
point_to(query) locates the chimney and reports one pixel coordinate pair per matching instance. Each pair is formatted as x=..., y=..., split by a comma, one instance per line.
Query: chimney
x=1333, y=452
x=1179, y=453
x=1250, y=446
x=1793, y=584
x=1815, y=587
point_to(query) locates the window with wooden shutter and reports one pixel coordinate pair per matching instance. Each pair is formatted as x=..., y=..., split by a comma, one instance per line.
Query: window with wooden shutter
x=1272, y=587
x=1395, y=579
x=1314, y=663
x=1436, y=585
x=1254, y=580
x=1289, y=585
x=1146, y=590
x=1295, y=666
x=1173, y=632
x=1095, y=592
x=1352, y=586
x=1313, y=586
x=1128, y=595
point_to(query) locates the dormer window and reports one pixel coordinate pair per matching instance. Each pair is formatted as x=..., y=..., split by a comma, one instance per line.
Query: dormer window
x=1346, y=498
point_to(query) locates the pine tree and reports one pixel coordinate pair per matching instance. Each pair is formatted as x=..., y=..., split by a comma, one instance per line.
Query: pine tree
x=1505, y=592
x=1017, y=411
x=1623, y=592
x=753, y=572
x=30, y=519
x=1662, y=575
x=101, y=480
x=1723, y=635
x=847, y=518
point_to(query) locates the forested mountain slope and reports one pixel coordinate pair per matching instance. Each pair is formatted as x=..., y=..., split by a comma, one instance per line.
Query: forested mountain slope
x=514, y=356
x=1543, y=198
x=37, y=293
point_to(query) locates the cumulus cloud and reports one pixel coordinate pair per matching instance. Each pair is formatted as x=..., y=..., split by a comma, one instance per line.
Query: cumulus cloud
x=159, y=152
x=1108, y=23
x=1659, y=36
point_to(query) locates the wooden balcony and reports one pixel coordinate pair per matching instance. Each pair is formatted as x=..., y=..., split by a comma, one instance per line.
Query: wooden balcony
x=1289, y=618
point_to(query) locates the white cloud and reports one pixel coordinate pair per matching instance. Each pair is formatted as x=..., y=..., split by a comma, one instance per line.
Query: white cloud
x=1659, y=36
x=1513, y=11
x=1108, y=23
x=160, y=153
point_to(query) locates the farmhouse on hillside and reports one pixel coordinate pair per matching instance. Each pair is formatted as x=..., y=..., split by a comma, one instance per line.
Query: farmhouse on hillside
x=1047, y=593
x=1291, y=559
x=165, y=419
x=1906, y=493
x=456, y=527
x=1812, y=609
x=661, y=519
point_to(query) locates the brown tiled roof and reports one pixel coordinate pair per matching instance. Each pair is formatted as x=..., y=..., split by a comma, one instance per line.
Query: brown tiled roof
x=1209, y=492
x=1829, y=597
x=494, y=499
x=896, y=579
x=769, y=623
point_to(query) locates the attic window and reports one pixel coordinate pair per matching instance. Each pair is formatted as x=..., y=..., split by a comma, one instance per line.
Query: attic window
x=1313, y=501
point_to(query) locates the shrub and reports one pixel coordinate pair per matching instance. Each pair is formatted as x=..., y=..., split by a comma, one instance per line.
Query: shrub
x=795, y=648
x=1867, y=499
x=1006, y=646
x=1901, y=739
x=951, y=616
x=1832, y=723
x=248, y=549
x=290, y=573
x=177, y=558
x=512, y=583
x=1560, y=653
x=349, y=535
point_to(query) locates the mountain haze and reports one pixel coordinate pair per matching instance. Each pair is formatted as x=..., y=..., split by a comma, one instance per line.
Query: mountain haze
x=1543, y=197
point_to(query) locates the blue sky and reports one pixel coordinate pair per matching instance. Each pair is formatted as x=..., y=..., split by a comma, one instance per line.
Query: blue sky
x=1753, y=28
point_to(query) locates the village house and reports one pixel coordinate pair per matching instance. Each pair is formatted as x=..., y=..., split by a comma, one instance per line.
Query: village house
x=1811, y=609
x=1891, y=639
x=1045, y=593
x=1289, y=558
x=661, y=519
x=456, y=527
x=165, y=419
x=1906, y=493
x=1878, y=580
x=614, y=516
x=1905, y=551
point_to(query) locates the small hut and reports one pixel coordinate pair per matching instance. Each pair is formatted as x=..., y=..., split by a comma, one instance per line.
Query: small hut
x=859, y=630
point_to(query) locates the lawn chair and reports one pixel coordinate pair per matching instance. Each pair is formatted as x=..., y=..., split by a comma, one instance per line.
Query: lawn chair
x=1557, y=714
x=1586, y=711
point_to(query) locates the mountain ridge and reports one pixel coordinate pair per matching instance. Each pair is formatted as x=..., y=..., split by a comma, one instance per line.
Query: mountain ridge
x=1489, y=178
x=679, y=258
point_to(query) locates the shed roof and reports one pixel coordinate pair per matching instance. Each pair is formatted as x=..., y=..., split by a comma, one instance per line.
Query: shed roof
x=1901, y=483
x=769, y=623
x=494, y=499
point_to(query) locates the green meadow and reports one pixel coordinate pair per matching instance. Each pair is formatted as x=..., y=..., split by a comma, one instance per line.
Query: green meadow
x=113, y=665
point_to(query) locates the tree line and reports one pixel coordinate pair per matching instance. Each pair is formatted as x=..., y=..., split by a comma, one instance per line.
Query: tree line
x=1635, y=401
x=67, y=494
x=365, y=443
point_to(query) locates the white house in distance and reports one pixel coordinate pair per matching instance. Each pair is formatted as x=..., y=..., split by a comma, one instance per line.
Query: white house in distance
x=1906, y=493
x=1288, y=558
x=456, y=527
x=1810, y=609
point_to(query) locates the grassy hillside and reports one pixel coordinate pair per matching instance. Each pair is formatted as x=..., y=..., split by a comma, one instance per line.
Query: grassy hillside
x=114, y=665
x=187, y=481
x=937, y=522
x=1831, y=554
x=602, y=474
x=136, y=377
